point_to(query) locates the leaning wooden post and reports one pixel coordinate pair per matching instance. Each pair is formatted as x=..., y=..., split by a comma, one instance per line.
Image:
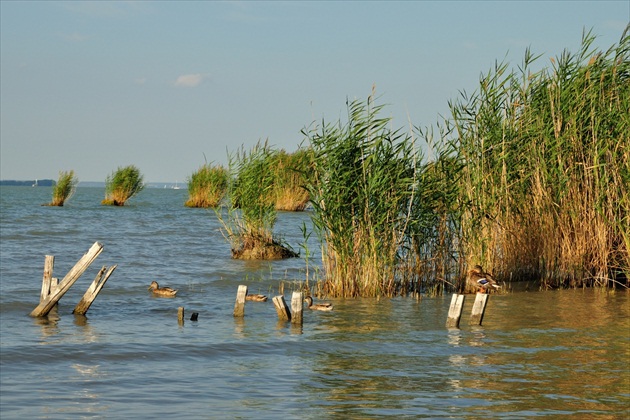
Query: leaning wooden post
x=284, y=314
x=455, y=311
x=239, y=305
x=73, y=275
x=49, y=264
x=297, y=306
x=478, y=309
x=93, y=291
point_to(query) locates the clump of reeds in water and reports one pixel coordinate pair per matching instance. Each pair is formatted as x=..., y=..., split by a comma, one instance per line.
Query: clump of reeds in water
x=122, y=184
x=546, y=175
x=64, y=188
x=291, y=172
x=251, y=212
x=207, y=186
x=361, y=191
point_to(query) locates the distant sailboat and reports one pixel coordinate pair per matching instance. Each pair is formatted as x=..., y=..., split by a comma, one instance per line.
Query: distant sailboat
x=176, y=186
x=35, y=184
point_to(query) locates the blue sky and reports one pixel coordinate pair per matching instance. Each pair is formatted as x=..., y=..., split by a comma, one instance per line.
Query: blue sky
x=92, y=86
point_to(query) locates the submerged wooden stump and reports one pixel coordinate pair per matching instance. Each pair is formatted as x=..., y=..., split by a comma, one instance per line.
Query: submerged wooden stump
x=478, y=309
x=93, y=291
x=455, y=311
x=239, y=305
x=297, y=307
x=284, y=314
x=73, y=275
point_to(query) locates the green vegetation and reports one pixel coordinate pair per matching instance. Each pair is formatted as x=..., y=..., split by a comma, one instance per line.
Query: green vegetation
x=530, y=177
x=251, y=213
x=291, y=173
x=207, y=186
x=64, y=188
x=363, y=185
x=545, y=181
x=122, y=184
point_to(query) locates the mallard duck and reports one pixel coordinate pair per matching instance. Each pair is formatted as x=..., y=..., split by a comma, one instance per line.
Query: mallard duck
x=256, y=298
x=318, y=306
x=161, y=291
x=481, y=280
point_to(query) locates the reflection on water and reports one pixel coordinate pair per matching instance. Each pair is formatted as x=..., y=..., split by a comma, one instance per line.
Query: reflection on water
x=538, y=354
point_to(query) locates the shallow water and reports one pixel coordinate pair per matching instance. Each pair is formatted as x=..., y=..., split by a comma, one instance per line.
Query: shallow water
x=559, y=354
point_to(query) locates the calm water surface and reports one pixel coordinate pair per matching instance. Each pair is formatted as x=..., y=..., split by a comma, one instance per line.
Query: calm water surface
x=561, y=354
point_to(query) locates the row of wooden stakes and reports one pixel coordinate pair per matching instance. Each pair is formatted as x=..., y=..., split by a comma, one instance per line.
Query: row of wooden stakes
x=457, y=306
x=293, y=314
x=53, y=289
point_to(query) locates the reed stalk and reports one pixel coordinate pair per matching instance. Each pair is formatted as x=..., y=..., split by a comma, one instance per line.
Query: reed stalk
x=122, y=184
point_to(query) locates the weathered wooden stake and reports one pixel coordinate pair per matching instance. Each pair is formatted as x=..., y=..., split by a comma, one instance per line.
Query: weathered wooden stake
x=455, y=311
x=284, y=314
x=478, y=309
x=73, y=275
x=297, y=306
x=239, y=306
x=49, y=264
x=180, y=315
x=93, y=291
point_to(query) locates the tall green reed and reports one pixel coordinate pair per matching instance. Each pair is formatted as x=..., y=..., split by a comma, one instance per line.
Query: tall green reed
x=64, y=189
x=122, y=184
x=361, y=192
x=207, y=186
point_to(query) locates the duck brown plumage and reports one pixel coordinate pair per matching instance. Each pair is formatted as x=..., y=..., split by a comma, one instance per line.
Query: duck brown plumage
x=161, y=291
x=318, y=306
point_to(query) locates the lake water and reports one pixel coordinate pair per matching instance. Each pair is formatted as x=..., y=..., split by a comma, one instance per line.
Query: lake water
x=557, y=354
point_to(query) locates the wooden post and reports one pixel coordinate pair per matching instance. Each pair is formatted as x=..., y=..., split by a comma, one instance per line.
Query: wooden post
x=73, y=275
x=478, y=309
x=239, y=306
x=180, y=315
x=455, y=311
x=49, y=263
x=93, y=291
x=284, y=314
x=297, y=306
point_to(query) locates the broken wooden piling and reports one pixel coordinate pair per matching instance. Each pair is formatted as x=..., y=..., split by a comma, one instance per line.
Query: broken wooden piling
x=93, y=291
x=478, y=309
x=297, y=306
x=284, y=314
x=455, y=311
x=73, y=275
x=239, y=305
x=49, y=263
x=180, y=315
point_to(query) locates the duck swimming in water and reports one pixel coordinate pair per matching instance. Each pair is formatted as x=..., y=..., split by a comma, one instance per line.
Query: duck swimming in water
x=256, y=298
x=318, y=306
x=481, y=280
x=162, y=291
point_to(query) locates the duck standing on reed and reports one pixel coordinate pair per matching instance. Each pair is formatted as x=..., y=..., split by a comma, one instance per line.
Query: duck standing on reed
x=318, y=306
x=477, y=278
x=161, y=291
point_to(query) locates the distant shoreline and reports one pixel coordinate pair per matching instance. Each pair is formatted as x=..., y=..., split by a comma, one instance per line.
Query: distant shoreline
x=91, y=184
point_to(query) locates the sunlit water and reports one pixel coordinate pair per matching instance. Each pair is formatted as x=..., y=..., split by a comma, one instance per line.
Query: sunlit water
x=560, y=354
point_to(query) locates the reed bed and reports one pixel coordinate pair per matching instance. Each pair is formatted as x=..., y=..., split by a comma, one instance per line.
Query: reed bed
x=291, y=173
x=361, y=191
x=529, y=177
x=207, y=186
x=122, y=184
x=546, y=169
x=64, y=189
x=251, y=214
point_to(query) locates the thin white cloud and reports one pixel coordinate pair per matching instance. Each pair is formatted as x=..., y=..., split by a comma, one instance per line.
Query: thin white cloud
x=190, y=80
